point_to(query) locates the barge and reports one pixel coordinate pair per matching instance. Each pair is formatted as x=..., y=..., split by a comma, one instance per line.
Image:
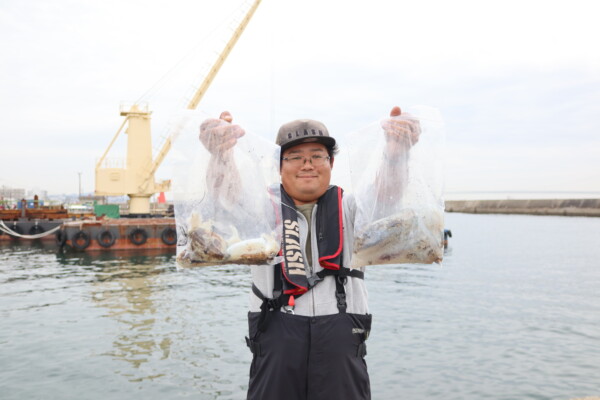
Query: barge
x=87, y=232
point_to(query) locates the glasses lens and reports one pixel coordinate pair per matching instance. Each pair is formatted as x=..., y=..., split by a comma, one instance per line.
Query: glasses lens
x=297, y=161
x=318, y=160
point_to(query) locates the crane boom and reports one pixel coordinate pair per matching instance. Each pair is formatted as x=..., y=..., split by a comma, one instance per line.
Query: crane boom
x=215, y=68
x=205, y=84
x=137, y=178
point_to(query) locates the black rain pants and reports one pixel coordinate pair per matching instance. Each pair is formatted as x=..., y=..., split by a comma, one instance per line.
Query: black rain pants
x=309, y=358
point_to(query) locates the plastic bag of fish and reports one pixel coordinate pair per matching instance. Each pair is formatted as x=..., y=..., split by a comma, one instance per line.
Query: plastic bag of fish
x=224, y=209
x=399, y=208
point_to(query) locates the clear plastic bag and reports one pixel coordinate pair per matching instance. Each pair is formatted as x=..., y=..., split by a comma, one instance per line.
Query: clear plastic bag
x=224, y=208
x=400, y=207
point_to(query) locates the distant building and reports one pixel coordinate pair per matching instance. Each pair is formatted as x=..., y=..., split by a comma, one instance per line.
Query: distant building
x=11, y=194
x=42, y=194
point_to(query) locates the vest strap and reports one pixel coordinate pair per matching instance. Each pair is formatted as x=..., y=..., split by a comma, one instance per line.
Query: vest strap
x=340, y=291
x=268, y=305
x=354, y=273
x=281, y=299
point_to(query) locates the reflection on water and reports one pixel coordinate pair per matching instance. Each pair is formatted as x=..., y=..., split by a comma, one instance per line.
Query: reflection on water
x=126, y=285
x=129, y=300
x=184, y=326
x=124, y=257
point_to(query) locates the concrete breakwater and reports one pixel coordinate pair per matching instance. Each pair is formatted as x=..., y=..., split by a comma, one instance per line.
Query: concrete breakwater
x=567, y=207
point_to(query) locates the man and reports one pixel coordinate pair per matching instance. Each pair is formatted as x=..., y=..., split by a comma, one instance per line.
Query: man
x=309, y=317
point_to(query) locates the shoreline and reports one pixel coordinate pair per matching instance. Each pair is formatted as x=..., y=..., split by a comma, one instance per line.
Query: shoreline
x=560, y=207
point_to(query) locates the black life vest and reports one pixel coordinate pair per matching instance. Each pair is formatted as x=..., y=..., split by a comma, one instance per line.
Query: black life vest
x=330, y=240
x=290, y=280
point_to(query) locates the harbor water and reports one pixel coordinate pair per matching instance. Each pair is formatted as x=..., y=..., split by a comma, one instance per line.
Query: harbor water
x=513, y=313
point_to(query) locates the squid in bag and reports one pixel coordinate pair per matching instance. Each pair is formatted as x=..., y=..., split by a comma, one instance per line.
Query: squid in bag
x=223, y=207
x=400, y=207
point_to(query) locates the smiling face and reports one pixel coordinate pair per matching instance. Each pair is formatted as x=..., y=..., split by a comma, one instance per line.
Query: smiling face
x=305, y=183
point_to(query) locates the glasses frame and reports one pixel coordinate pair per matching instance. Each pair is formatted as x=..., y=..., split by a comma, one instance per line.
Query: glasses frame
x=293, y=159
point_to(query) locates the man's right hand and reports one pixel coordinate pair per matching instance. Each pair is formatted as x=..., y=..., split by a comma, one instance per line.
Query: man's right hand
x=219, y=135
x=402, y=131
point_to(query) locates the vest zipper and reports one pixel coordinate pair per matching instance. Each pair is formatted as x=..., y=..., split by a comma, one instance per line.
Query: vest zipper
x=315, y=250
x=321, y=222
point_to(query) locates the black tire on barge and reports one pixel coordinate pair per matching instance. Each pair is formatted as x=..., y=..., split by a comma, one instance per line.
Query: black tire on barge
x=138, y=236
x=80, y=240
x=106, y=238
x=16, y=229
x=169, y=236
x=36, y=230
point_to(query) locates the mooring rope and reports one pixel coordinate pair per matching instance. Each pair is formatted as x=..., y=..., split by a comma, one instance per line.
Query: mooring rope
x=9, y=231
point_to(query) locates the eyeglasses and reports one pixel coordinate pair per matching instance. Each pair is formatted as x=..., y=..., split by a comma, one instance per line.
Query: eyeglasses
x=299, y=161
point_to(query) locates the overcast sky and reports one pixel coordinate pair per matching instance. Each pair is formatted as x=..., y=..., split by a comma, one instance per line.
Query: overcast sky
x=517, y=82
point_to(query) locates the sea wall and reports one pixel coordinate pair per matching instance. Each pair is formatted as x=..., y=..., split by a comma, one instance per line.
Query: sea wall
x=568, y=207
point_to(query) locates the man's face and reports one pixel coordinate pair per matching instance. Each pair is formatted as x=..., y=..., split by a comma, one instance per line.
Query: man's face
x=305, y=183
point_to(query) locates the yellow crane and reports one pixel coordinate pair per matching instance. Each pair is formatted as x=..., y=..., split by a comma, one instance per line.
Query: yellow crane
x=136, y=178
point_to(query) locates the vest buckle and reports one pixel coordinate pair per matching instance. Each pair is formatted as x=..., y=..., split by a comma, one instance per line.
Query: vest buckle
x=341, y=300
x=289, y=307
